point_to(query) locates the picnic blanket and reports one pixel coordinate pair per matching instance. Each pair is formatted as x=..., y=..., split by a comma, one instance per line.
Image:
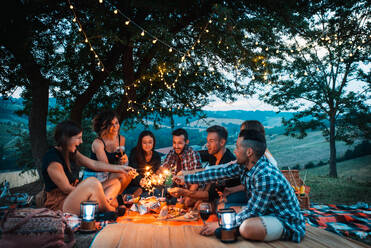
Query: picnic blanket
x=352, y=221
x=75, y=222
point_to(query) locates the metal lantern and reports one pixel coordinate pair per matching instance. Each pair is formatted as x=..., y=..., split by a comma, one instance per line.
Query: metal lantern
x=227, y=223
x=87, y=211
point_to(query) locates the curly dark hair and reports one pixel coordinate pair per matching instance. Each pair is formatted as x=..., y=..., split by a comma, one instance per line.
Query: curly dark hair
x=103, y=120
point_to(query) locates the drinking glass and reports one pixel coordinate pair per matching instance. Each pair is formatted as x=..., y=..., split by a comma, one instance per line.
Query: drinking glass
x=120, y=151
x=205, y=211
x=128, y=202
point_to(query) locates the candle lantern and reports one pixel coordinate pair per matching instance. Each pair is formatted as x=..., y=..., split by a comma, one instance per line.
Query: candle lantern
x=87, y=211
x=227, y=223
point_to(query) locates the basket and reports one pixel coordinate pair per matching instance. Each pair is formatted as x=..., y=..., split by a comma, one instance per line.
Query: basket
x=294, y=179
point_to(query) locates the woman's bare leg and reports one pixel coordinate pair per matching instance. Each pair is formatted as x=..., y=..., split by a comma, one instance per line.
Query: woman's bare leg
x=115, y=185
x=89, y=189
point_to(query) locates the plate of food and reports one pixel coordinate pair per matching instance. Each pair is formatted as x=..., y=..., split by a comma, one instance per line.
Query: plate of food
x=170, y=212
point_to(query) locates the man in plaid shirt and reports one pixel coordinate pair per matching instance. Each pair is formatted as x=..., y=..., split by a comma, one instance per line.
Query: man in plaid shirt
x=182, y=157
x=272, y=211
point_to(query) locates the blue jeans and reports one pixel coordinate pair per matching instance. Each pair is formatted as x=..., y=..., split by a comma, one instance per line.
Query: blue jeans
x=236, y=199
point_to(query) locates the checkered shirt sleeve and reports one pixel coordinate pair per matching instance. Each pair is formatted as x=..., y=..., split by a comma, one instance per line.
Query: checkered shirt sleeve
x=191, y=160
x=213, y=174
x=169, y=160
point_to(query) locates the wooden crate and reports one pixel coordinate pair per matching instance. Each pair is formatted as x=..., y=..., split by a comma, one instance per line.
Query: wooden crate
x=294, y=179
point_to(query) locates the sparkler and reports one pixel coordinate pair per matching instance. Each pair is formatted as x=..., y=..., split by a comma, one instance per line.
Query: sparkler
x=151, y=180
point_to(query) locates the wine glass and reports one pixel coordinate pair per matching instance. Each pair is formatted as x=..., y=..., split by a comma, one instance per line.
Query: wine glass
x=205, y=211
x=128, y=202
x=120, y=151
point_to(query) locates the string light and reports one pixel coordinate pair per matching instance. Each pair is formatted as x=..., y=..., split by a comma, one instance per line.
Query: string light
x=86, y=40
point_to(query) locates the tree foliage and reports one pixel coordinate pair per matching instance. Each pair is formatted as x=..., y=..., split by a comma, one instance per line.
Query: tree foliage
x=43, y=53
x=323, y=73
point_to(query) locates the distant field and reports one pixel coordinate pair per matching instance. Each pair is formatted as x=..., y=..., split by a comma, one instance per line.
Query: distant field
x=16, y=179
x=352, y=185
x=290, y=151
x=358, y=170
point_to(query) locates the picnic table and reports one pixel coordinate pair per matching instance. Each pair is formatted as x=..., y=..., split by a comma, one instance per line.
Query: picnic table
x=136, y=230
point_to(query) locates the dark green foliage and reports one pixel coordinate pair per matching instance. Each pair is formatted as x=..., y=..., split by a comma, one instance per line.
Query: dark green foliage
x=309, y=165
x=359, y=150
x=321, y=73
x=296, y=167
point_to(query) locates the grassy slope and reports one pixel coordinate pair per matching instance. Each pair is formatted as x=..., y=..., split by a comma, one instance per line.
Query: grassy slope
x=352, y=185
x=290, y=151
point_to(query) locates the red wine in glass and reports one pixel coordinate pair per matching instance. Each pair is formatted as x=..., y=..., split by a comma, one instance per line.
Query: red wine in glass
x=204, y=214
x=120, y=151
x=205, y=211
x=128, y=201
x=128, y=204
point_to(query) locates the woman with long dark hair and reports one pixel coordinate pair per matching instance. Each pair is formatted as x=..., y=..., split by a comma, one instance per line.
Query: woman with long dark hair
x=143, y=155
x=60, y=168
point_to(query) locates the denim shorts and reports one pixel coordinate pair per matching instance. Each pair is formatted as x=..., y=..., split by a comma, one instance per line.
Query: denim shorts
x=101, y=176
x=273, y=228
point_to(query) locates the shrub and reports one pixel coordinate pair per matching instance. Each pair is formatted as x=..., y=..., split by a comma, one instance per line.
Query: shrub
x=296, y=167
x=321, y=163
x=309, y=165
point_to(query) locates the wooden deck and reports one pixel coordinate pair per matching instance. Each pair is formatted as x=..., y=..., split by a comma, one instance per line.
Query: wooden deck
x=127, y=234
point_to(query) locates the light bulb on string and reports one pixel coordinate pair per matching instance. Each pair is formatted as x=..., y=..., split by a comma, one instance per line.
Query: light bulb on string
x=74, y=19
x=86, y=40
x=100, y=1
x=127, y=23
x=170, y=50
x=115, y=11
x=80, y=29
x=71, y=6
x=210, y=21
x=154, y=41
x=142, y=34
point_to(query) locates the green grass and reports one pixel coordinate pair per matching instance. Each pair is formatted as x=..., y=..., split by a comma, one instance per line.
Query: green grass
x=352, y=185
x=290, y=151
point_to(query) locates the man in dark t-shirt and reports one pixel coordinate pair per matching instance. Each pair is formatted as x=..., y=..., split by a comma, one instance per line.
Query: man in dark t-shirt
x=216, y=154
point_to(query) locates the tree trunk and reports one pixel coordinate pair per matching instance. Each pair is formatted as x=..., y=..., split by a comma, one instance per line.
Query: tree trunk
x=98, y=80
x=333, y=171
x=37, y=120
x=39, y=89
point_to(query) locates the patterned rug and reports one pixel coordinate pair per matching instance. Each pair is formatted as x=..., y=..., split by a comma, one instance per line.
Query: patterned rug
x=352, y=221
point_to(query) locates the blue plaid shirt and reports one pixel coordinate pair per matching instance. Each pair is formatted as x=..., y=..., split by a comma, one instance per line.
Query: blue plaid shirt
x=269, y=193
